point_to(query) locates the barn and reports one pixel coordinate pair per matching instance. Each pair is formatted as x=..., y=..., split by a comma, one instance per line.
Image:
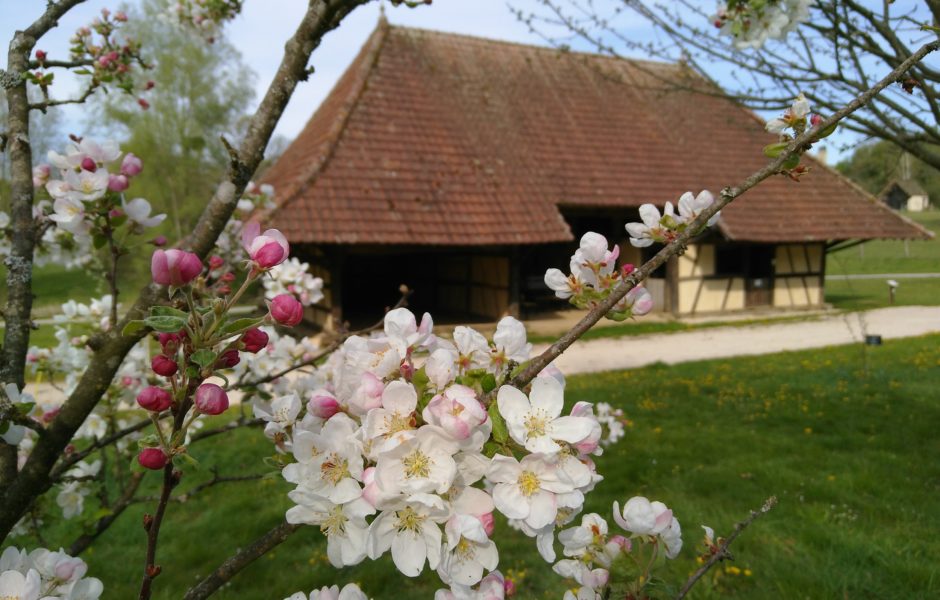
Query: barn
x=465, y=167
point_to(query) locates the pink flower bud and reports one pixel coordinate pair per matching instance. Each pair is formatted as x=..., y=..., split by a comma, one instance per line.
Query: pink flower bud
x=489, y=523
x=254, y=340
x=131, y=166
x=118, y=183
x=89, y=164
x=159, y=241
x=41, y=174
x=215, y=262
x=227, y=277
x=174, y=267
x=154, y=398
x=815, y=120
x=120, y=16
x=152, y=458
x=114, y=213
x=224, y=290
x=228, y=359
x=265, y=250
x=627, y=268
x=370, y=489
x=69, y=569
x=625, y=544
x=211, y=399
x=323, y=404
x=286, y=310
x=509, y=587
x=162, y=365
x=41, y=55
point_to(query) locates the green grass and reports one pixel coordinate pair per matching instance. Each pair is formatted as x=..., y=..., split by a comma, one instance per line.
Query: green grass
x=861, y=294
x=640, y=327
x=889, y=256
x=850, y=454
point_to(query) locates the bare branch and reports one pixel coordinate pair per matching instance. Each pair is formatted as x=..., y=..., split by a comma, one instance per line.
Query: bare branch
x=722, y=552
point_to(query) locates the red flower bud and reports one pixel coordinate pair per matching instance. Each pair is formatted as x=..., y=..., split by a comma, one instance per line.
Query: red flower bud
x=323, y=405
x=159, y=241
x=228, y=277
x=41, y=56
x=89, y=164
x=627, y=268
x=228, y=359
x=224, y=290
x=154, y=398
x=286, y=310
x=162, y=365
x=152, y=458
x=143, y=103
x=254, y=340
x=131, y=166
x=149, y=85
x=211, y=399
x=215, y=262
x=169, y=342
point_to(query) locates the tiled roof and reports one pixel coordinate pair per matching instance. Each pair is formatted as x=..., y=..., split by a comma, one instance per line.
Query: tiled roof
x=435, y=138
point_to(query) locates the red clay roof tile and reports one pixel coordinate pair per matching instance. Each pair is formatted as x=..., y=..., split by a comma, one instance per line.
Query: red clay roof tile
x=434, y=138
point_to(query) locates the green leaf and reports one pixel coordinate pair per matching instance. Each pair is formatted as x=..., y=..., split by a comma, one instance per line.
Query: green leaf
x=488, y=383
x=133, y=327
x=168, y=311
x=165, y=324
x=82, y=72
x=185, y=459
x=791, y=163
x=204, y=358
x=829, y=131
x=98, y=241
x=500, y=433
x=775, y=150
x=239, y=325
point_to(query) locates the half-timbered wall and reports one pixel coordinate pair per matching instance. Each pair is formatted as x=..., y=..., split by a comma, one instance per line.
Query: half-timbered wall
x=798, y=277
x=700, y=289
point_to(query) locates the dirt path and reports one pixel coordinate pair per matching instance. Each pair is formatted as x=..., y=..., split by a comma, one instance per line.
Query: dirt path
x=721, y=342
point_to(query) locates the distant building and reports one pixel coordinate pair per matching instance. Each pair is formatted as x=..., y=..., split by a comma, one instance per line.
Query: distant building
x=905, y=194
x=464, y=167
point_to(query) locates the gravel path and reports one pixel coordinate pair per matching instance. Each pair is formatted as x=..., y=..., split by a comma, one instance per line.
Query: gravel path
x=721, y=342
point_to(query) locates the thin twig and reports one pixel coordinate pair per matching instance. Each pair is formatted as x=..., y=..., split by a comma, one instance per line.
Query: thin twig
x=722, y=552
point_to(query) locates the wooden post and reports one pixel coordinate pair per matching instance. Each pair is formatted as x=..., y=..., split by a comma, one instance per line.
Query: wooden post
x=515, y=283
x=337, y=258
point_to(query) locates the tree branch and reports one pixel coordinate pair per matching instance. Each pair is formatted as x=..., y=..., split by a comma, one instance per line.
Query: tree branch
x=722, y=552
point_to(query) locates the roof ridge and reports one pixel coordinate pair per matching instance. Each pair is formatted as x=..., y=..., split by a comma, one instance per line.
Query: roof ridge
x=531, y=46
x=377, y=41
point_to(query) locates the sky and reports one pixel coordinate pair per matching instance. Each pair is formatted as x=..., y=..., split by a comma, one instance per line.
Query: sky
x=264, y=25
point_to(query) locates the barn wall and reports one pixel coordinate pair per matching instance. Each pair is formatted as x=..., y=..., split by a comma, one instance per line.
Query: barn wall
x=798, y=279
x=918, y=203
x=489, y=286
x=699, y=289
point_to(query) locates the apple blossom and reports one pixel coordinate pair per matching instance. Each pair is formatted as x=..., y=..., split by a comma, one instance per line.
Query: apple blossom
x=457, y=411
x=344, y=525
x=411, y=531
x=174, y=267
x=534, y=422
x=266, y=249
x=131, y=166
x=138, y=211
x=423, y=462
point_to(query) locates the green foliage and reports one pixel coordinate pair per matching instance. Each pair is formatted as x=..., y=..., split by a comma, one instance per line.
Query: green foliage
x=842, y=448
x=201, y=92
x=874, y=165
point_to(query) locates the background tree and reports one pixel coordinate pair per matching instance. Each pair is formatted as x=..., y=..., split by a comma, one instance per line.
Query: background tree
x=874, y=165
x=843, y=47
x=201, y=91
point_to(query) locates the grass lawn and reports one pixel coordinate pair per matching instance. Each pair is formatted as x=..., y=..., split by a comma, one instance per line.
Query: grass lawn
x=861, y=294
x=888, y=256
x=847, y=452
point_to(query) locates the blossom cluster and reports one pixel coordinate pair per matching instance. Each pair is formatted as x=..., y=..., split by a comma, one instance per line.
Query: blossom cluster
x=752, y=22
x=795, y=121
x=411, y=445
x=200, y=339
x=113, y=58
x=594, y=274
x=350, y=591
x=665, y=227
x=205, y=17
x=591, y=551
x=47, y=575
